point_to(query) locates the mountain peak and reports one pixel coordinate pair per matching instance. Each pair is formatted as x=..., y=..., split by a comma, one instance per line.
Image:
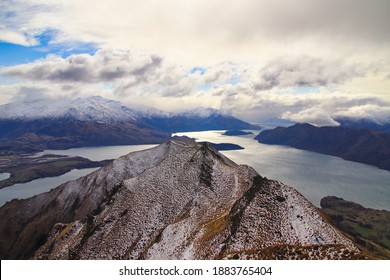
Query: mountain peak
x=102, y=110
x=202, y=112
x=97, y=108
x=97, y=121
x=179, y=200
x=94, y=108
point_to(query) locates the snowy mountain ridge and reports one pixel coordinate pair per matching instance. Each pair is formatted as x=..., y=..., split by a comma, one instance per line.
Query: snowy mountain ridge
x=200, y=112
x=96, y=121
x=179, y=200
x=94, y=108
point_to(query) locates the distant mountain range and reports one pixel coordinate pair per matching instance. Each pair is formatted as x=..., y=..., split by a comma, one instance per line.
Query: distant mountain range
x=96, y=121
x=364, y=123
x=355, y=144
x=179, y=200
x=199, y=119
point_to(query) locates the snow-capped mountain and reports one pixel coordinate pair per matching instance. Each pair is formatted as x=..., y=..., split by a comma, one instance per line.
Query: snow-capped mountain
x=201, y=112
x=61, y=124
x=197, y=119
x=179, y=200
x=93, y=108
x=96, y=121
x=369, y=123
x=102, y=110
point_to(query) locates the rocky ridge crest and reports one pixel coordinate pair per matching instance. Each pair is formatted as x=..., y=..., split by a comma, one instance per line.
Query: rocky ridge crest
x=180, y=200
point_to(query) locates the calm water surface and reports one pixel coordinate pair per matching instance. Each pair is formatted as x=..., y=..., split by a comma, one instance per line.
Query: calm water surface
x=314, y=175
x=42, y=185
x=4, y=176
x=38, y=186
x=98, y=153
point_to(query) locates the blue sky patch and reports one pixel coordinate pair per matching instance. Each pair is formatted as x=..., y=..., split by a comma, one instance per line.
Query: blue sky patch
x=303, y=90
x=12, y=54
x=199, y=69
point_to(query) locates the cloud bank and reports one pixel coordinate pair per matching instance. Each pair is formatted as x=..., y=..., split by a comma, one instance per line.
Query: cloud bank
x=304, y=60
x=193, y=32
x=301, y=89
x=103, y=66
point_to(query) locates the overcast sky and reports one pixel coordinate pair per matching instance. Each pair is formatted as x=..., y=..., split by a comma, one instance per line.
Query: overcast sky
x=302, y=60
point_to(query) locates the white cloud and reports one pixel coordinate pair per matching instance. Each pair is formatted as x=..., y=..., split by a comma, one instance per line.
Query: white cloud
x=257, y=58
x=16, y=38
x=304, y=71
x=379, y=112
x=319, y=108
x=103, y=66
x=248, y=91
x=22, y=21
x=121, y=74
x=314, y=115
x=197, y=32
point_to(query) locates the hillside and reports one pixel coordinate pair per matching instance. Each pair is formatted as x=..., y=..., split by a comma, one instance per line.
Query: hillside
x=28, y=127
x=197, y=120
x=360, y=145
x=25, y=136
x=370, y=227
x=179, y=200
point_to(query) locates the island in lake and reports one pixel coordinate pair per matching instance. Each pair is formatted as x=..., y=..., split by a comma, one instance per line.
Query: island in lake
x=236, y=133
x=224, y=146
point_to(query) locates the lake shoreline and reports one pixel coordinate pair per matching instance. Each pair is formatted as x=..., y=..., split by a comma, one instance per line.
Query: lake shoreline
x=312, y=174
x=24, y=169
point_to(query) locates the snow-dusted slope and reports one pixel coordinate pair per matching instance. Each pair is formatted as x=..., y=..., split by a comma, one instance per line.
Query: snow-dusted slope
x=93, y=108
x=102, y=110
x=180, y=200
x=201, y=112
x=96, y=121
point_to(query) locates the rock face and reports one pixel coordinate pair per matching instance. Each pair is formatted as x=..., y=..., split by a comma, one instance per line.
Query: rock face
x=180, y=200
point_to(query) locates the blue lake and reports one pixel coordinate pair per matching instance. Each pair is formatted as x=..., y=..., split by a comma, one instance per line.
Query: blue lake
x=4, y=176
x=314, y=175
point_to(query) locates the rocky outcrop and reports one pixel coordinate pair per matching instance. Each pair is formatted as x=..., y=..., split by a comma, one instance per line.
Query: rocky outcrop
x=180, y=200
